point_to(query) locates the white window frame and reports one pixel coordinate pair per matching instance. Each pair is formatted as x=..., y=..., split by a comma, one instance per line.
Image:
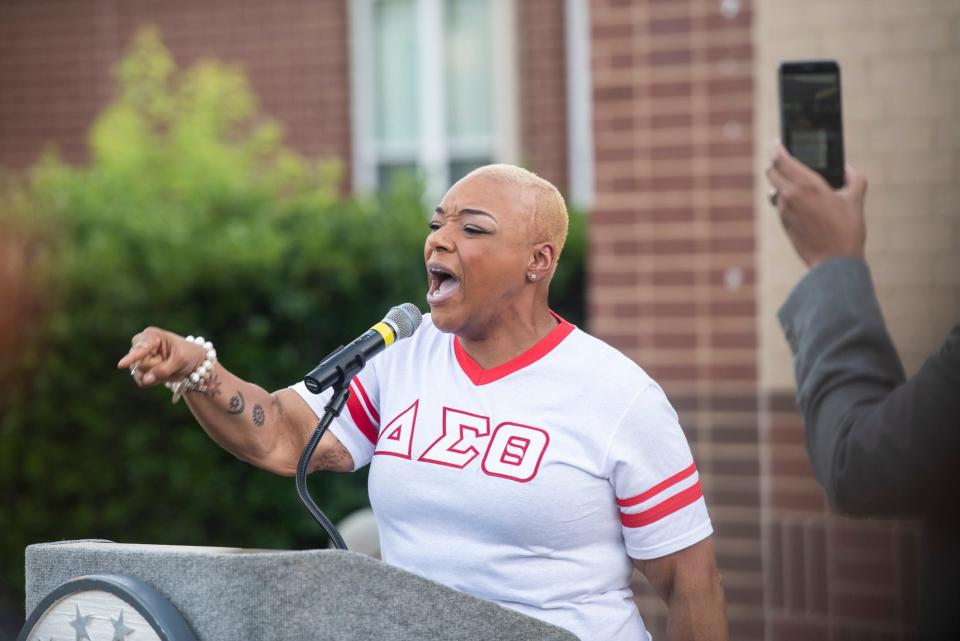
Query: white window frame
x=434, y=151
x=579, y=103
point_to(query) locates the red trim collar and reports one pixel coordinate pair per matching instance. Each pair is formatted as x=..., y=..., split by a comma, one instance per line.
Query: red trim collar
x=480, y=376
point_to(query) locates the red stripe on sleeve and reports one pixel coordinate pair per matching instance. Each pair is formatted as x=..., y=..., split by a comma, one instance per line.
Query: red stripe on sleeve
x=361, y=419
x=659, y=487
x=661, y=510
x=366, y=401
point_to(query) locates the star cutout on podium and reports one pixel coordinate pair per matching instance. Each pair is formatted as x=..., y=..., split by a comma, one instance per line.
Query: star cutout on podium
x=120, y=629
x=80, y=625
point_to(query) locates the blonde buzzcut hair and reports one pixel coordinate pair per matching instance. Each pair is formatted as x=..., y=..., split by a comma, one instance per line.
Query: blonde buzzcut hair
x=549, y=208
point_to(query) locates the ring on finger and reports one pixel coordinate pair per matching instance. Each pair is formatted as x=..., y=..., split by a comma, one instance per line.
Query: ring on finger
x=773, y=196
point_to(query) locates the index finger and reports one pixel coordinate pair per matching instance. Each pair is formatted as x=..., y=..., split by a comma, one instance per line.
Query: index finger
x=138, y=351
x=789, y=167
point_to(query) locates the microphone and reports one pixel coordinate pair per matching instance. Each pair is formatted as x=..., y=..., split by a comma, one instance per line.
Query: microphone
x=346, y=362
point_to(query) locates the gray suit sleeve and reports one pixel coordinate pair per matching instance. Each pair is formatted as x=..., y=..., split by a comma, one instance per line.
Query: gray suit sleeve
x=880, y=445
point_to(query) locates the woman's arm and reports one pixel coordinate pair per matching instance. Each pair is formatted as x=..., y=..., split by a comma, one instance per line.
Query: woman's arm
x=264, y=429
x=689, y=583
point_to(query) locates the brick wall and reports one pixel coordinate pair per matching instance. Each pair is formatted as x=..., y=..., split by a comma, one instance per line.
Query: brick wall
x=831, y=577
x=54, y=76
x=672, y=279
x=56, y=59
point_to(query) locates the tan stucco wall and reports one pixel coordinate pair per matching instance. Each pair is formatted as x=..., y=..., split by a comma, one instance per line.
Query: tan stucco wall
x=900, y=68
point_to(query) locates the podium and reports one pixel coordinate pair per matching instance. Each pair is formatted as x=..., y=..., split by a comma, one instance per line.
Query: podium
x=103, y=591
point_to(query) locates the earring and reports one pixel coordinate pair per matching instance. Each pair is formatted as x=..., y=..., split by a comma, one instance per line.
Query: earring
x=532, y=276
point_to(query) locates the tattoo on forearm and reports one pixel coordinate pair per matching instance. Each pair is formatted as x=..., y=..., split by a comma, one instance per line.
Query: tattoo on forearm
x=236, y=404
x=213, y=387
x=258, y=415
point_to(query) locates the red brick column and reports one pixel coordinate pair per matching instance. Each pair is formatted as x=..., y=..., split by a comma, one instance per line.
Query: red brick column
x=672, y=249
x=543, y=86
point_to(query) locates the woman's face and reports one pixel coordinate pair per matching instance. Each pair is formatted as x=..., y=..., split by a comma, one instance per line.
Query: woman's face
x=477, y=254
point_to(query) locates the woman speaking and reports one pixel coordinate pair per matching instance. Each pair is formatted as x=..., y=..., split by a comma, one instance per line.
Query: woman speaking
x=512, y=456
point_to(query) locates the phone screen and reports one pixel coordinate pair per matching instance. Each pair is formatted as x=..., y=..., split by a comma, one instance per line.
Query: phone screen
x=811, y=120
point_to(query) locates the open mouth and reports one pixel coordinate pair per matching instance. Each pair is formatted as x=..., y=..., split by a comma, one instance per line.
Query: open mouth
x=443, y=284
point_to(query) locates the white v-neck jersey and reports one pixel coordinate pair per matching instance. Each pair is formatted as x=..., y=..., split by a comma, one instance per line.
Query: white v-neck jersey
x=531, y=484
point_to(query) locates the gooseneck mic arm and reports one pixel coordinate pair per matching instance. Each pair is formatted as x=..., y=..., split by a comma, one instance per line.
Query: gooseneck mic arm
x=332, y=410
x=336, y=371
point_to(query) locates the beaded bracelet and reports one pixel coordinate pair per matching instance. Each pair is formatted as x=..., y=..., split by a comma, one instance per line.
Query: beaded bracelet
x=197, y=380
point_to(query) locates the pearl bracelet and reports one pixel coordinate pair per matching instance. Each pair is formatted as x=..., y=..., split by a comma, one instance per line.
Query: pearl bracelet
x=197, y=380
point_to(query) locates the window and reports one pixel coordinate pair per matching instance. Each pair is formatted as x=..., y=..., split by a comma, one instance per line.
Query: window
x=433, y=89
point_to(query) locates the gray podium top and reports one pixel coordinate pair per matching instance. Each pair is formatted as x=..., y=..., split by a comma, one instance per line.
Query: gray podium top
x=272, y=595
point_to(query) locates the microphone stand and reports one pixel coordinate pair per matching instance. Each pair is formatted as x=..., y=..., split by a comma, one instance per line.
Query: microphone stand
x=332, y=410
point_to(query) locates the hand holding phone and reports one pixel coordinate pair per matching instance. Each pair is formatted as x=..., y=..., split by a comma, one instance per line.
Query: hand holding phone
x=811, y=122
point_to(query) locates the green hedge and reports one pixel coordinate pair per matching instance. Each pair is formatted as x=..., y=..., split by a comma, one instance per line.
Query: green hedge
x=191, y=215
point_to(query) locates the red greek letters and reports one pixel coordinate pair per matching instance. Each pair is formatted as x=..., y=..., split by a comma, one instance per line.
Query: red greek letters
x=511, y=450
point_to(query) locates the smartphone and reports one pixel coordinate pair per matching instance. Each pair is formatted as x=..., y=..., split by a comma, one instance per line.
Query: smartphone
x=811, y=123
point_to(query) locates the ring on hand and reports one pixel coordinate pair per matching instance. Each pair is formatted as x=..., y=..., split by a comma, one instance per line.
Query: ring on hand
x=773, y=196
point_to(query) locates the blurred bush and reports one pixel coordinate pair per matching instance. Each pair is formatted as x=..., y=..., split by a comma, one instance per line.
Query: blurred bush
x=191, y=215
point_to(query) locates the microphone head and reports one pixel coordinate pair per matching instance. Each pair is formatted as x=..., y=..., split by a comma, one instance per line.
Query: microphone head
x=406, y=318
